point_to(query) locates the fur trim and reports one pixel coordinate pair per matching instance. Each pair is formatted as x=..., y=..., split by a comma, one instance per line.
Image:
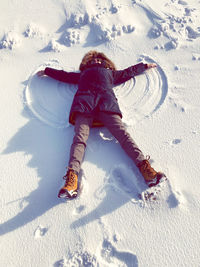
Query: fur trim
x=86, y=61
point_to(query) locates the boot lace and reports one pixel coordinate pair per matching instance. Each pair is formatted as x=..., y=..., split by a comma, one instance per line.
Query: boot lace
x=149, y=171
x=70, y=178
x=146, y=168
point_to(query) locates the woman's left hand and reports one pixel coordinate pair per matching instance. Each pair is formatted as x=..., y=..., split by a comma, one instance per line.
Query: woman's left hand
x=151, y=65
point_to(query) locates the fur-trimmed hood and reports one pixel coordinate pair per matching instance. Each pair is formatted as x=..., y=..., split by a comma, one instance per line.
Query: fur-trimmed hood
x=88, y=59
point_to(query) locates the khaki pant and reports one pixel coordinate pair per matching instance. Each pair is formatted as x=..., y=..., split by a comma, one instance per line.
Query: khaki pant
x=115, y=125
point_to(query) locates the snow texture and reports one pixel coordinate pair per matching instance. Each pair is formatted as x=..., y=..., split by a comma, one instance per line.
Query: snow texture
x=112, y=222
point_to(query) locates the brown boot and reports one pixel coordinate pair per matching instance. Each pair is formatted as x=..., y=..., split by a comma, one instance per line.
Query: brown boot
x=70, y=188
x=150, y=175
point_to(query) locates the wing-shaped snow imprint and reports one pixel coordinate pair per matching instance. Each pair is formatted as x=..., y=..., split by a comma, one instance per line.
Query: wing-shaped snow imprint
x=142, y=96
x=50, y=100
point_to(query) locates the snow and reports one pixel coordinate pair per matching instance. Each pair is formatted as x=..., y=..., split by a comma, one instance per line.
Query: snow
x=108, y=224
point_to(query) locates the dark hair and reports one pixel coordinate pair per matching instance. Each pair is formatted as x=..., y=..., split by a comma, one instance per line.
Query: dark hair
x=86, y=61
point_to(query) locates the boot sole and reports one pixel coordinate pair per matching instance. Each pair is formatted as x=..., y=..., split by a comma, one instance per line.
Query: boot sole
x=64, y=194
x=160, y=177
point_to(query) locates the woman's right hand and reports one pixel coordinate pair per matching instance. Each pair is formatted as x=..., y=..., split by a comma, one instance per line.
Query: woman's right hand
x=40, y=73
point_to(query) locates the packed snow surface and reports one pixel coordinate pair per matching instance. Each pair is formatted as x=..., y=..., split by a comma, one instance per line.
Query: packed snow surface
x=111, y=223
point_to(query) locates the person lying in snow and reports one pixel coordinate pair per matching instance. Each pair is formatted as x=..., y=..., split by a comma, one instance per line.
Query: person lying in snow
x=95, y=105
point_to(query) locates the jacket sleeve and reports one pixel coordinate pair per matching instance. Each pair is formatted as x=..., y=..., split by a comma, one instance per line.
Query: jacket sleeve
x=63, y=76
x=121, y=76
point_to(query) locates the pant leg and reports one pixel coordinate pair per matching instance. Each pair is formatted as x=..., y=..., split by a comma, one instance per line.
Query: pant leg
x=77, y=151
x=114, y=124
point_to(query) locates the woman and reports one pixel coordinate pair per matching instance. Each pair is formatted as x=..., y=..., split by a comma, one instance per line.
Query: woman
x=94, y=105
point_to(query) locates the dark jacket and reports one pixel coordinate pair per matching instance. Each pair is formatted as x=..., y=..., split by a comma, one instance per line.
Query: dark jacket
x=95, y=88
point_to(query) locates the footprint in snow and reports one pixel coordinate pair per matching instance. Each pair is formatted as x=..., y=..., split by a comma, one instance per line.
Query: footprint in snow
x=123, y=180
x=112, y=256
x=181, y=2
x=166, y=195
x=40, y=231
x=78, y=258
x=79, y=209
x=175, y=199
x=176, y=141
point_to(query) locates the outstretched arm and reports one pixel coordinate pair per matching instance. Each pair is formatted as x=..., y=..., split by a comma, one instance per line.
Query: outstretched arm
x=124, y=75
x=60, y=75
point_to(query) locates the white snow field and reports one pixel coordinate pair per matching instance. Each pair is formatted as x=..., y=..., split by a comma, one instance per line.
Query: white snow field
x=109, y=224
